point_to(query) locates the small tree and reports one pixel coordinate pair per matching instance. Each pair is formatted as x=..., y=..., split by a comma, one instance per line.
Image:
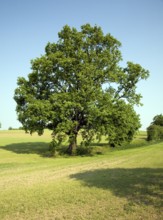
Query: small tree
x=78, y=85
x=155, y=130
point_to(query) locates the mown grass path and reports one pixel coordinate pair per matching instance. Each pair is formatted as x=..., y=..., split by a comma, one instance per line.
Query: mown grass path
x=124, y=184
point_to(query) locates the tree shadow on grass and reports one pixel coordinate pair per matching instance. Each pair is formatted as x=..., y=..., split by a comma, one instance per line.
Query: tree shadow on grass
x=40, y=148
x=141, y=186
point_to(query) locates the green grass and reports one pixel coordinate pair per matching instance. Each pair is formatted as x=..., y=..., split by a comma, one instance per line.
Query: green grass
x=120, y=184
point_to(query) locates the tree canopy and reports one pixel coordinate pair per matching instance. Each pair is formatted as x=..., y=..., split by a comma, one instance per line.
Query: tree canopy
x=158, y=120
x=79, y=85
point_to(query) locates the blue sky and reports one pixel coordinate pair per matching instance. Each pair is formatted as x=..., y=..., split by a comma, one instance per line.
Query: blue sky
x=26, y=26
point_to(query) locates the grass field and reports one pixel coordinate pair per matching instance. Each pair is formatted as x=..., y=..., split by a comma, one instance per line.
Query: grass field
x=121, y=184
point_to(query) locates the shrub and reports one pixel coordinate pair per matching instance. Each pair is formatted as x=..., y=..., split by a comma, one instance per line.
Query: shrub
x=154, y=132
x=62, y=150
x=52, y=147
x=84, y=149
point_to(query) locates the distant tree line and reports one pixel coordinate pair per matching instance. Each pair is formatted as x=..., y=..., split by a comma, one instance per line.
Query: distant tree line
x=155, y=130
x=11, y=128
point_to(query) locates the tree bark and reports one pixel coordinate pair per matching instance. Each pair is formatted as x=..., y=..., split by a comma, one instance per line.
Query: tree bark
x=73, y=145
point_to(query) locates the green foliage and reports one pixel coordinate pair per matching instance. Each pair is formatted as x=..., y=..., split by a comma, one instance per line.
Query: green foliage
x=79, y=85
x=158, y=120
x=83, y=150
x=11, y=128
x=55, y=144
x=120, y=126
x=154, y=132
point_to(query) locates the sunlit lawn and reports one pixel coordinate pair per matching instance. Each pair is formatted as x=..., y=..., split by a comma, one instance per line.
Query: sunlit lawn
x=121, y=184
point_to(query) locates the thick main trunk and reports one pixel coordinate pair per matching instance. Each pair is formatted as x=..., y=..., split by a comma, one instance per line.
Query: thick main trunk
x=73, y=144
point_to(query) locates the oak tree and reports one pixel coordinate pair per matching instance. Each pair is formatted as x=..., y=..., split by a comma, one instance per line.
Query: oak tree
x=77, y=86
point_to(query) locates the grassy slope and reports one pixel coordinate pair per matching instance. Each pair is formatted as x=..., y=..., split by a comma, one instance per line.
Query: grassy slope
x=122, y=184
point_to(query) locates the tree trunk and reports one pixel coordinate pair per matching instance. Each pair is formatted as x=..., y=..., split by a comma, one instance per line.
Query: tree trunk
x=73, y=144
